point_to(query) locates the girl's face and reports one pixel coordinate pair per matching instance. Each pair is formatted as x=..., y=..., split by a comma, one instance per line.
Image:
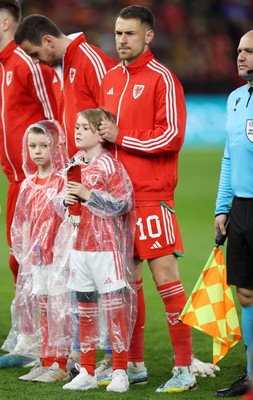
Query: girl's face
x=85, y=139
x=38, y=146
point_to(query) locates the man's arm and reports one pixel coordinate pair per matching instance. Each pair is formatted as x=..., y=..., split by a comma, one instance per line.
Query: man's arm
x=168, y=130
x=40, y=84
x=225, y=196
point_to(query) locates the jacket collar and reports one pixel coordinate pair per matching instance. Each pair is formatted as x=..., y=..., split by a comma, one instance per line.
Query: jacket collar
x=8, y=50
x=140, y=63
x=77, y=38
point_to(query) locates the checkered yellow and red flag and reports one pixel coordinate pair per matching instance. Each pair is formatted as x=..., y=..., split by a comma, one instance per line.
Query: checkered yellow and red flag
x=211, y=308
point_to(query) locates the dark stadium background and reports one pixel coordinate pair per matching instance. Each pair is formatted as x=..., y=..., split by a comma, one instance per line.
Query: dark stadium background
x=197, y=39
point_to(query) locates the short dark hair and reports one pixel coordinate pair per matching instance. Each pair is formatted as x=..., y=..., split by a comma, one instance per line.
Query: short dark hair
x=34, y=27
x=138, y=12
x=14, y=8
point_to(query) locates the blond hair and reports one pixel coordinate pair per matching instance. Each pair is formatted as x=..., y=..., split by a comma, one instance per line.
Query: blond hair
x=94, y=116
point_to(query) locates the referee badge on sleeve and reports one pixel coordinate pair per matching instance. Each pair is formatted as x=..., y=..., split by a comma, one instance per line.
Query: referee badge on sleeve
x=249, y=129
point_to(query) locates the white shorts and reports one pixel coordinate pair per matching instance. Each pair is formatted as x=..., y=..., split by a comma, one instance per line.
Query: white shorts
x=91, y=270
x=45, y=283
x=42, y=277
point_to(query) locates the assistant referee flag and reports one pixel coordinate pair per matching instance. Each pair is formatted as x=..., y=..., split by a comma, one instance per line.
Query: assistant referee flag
x=211, y=309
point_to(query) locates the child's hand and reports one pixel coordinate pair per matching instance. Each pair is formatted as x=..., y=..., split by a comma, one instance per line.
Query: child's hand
x=76, y=190
x=70, y=199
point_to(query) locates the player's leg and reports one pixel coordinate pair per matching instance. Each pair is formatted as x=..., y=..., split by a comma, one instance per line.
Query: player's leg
x=104, y=367
x=13, y=191
x=165, y=274
x=239, y=273
x=43, y=366
x=74, y=356
x=247, y=325
x=158, y=240
x=117, y=305
x=13, y=360
x=82, y=282
x=52, y=368
x=114, y=308
x=88, y=313
x=137, y=373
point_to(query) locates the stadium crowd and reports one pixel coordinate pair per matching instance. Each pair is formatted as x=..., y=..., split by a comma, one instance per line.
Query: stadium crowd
x=196, y=39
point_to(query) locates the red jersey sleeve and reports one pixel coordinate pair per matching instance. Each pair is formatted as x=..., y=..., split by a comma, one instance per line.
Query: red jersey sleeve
x=40, y=84
x=169, y=116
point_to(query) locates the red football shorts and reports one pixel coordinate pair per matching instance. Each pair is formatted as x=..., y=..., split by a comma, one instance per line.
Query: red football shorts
x=157, y=231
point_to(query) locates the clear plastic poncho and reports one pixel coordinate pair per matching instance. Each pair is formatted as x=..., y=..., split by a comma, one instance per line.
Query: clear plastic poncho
x=41, y=310
x=101, y=259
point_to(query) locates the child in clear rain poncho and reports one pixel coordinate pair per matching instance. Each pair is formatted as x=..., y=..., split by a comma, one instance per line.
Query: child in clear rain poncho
x=41, y=306
x=101, y=260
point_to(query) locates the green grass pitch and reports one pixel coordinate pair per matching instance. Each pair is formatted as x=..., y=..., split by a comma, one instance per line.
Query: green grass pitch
x=195, y=198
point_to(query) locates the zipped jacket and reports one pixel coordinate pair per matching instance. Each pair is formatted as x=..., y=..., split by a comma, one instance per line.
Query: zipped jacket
x=148, y=101
x=26, y=97
x=83, y=69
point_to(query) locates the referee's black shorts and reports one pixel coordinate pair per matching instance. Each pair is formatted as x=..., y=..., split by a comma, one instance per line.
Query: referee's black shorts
x=240, y=244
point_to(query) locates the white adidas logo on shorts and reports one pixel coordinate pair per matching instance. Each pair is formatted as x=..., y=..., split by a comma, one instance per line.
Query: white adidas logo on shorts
x=156, y=245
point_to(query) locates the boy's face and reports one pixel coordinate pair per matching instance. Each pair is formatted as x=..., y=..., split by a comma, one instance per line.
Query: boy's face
x=43, y=54
x=39, y=147
x=85, y=139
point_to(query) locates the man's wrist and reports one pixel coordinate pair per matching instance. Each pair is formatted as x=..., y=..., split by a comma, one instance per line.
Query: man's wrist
x=221, y=213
